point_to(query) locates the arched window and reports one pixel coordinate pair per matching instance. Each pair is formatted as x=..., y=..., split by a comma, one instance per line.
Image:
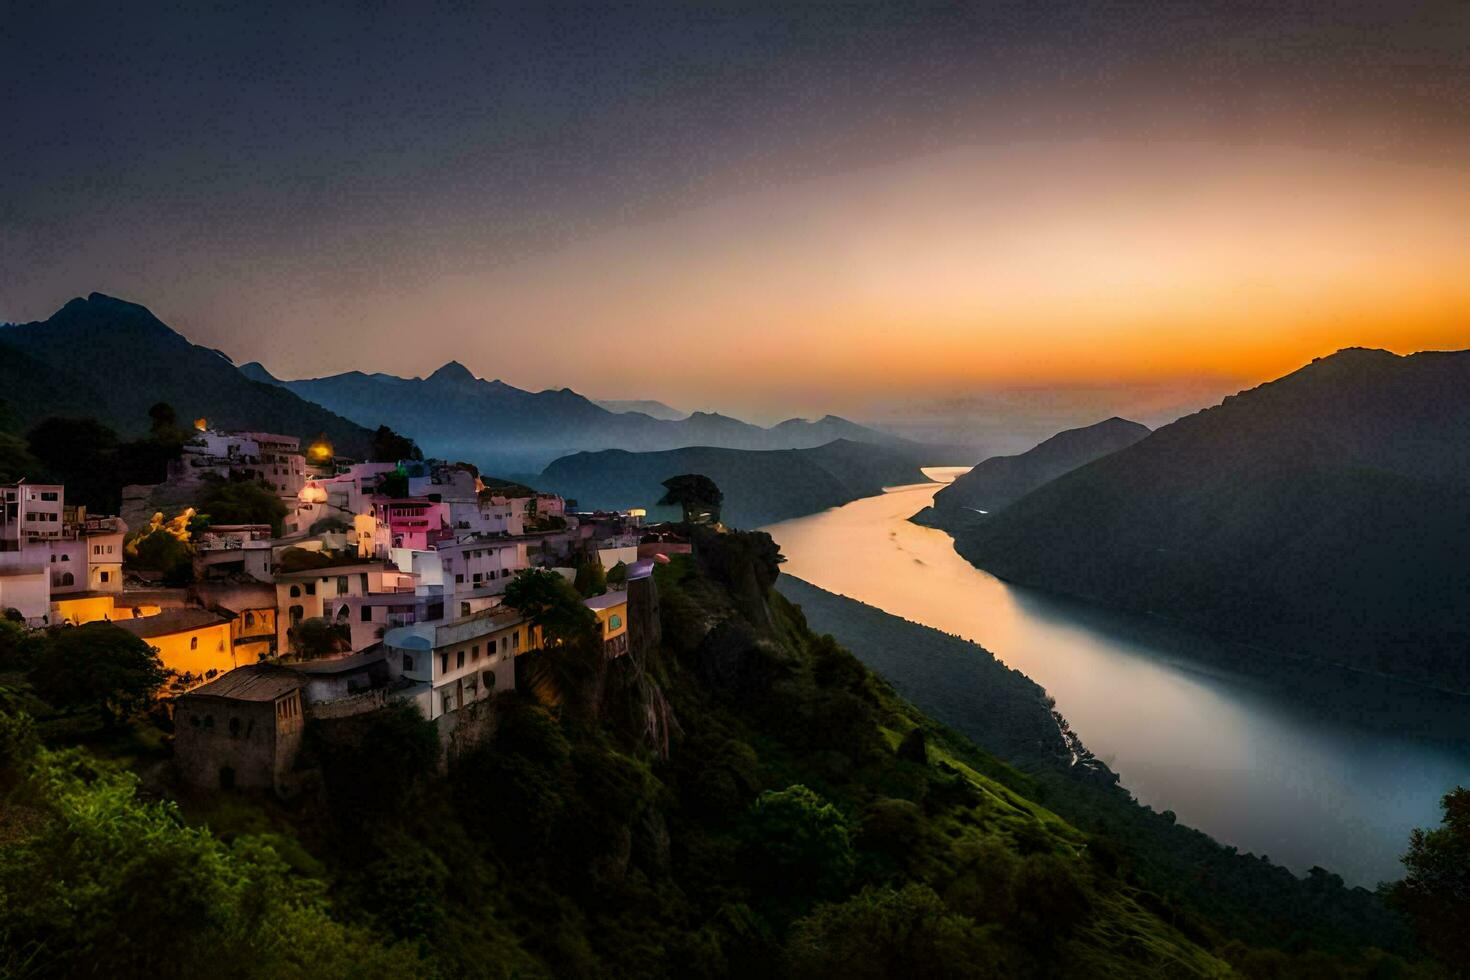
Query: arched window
x=296, y=592
x=66, y=557
x=249, y=619
x=342, y=614
x=66, y=578
x=296, y=613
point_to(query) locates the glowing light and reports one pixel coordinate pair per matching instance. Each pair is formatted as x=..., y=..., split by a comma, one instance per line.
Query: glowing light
x=320, y=451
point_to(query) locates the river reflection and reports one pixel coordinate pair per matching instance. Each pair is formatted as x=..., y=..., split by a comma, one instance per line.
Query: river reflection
x=1317, y=767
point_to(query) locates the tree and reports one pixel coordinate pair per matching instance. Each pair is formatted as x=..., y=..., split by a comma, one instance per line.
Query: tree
x=163, y=424
x=591, y=579
x=552, y=605
x=315, y=638
x=81, y=453
x=16, y=461
x=163, y=546
x=1436, y=890
x=98, y=666
x=390, y=447
x=242, y=502
x=394, y=484
x=797, y=845
x=696, y=494
x=114, y=885
x=886, y=933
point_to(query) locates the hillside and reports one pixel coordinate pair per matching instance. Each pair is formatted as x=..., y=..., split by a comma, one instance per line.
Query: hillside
x=1001, y=480
x=962, y=685
x=646, y=406
x=118, y=359
x=1322, y=514
x=760, y=487
x=738, y=796
x=497, y=426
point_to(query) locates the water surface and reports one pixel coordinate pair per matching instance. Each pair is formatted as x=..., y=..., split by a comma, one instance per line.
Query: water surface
x=1316, y=766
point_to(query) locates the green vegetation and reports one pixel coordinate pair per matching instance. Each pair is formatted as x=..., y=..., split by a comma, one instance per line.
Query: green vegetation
x=591, y=579
x=743, y=798
x=241, y=502
x=95, y=880
x=92, y=461
x=99, y=667
x=1436, y=890
x=316, y=637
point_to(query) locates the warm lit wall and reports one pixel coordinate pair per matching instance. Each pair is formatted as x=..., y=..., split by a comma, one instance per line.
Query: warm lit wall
x=253, y=633
x=196, y=651
x=86, y=609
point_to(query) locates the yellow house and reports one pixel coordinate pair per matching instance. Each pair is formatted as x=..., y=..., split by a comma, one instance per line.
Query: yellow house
x=612, y=619
x=193, y=642
x=253, y=633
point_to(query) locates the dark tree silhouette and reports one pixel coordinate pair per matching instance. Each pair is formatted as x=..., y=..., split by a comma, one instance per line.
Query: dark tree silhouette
x=696, y=494
x=1436, y=889
x=390, y=447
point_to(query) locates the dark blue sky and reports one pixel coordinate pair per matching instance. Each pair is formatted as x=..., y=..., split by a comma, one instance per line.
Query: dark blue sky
x=195, y=156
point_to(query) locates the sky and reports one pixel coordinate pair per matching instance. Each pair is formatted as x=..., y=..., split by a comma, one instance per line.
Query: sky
x=769, y=209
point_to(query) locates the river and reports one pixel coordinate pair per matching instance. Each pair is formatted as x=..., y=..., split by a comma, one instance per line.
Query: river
x=1315, y=767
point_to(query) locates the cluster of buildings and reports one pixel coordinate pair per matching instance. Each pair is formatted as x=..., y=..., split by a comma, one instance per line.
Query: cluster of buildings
x=386, y=583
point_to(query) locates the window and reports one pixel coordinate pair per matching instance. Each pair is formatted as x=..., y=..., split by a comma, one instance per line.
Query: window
x=365, y=613
x=193, y=643
x=407, y=663
x=459, y=579
x=296, y=613
x=342, y=585
x=615, y=622
x=488, y=678
x=444, y=663
x=459, y=658
x=311, y=588
x=249, y=617
x=105, y=577
x=66, y=557
x=446, y=703
x=296, y=592
x=475, y=652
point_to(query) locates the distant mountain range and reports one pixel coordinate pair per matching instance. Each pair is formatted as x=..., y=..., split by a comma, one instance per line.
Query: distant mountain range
x=1001, y=480
x=113, y=360
x=760, y=486
x=647, y=406
x=455, y=415
x=1326, y=513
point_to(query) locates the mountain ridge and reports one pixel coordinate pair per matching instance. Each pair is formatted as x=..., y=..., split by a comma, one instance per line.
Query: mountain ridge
x=89, y=340
x=1321, y=513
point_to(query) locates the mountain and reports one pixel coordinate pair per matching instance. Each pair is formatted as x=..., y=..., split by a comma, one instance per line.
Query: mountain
x=112, y=359
x=455, y=415
x=1001, y=480
x=1321, y=514
x=760, y=486
x=645, y=406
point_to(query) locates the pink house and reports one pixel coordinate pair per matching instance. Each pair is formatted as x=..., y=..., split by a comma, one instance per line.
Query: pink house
x=417, y=523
